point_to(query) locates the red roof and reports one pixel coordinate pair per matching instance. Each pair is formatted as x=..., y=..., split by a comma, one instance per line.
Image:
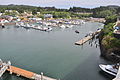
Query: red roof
x=2, y=19
x=118, y=24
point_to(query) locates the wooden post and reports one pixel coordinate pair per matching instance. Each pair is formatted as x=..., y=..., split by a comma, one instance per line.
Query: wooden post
x=41, y=75
x=9, y=67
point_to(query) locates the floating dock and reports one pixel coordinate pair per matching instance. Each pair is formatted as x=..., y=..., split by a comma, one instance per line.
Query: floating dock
x=118, y=75
x=27, y=74
x=21, y=72
x=82, y=41
x=85, y=39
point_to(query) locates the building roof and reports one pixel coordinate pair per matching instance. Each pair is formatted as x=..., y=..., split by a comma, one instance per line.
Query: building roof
x=118, y=24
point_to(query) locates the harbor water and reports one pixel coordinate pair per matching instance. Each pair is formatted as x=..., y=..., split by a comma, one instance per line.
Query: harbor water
x=53, y=53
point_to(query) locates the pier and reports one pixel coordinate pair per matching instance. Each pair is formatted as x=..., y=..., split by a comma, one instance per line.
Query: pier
x=27, y=74
x=21, y=72
x=85, y=39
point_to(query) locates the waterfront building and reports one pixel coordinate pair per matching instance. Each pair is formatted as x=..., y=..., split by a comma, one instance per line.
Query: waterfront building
x=48, y=16
x=117, y=28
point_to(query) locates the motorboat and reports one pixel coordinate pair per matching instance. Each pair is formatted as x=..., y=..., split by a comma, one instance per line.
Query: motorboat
x=110, y=69
x=63, y=26
x=77, y=31
x=49, y=29
x=37, y=27
x=27, y=26
x=46, y=29
x=69, y=26
x=17, y=25
x=3, y=26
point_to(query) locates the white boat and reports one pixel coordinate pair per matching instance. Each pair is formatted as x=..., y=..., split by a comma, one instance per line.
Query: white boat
x=69, y=26
x=111, y=69
x=22, y=24
x=17, y=25
x=49, y=29
x=42, y=28
x=63, y=26
x=37, y=27
x=27, y=26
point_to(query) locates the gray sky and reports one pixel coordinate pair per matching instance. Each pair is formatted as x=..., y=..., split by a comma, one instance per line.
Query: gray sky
x=63, y=3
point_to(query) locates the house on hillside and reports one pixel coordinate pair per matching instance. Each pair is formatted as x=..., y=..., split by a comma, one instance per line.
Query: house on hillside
x=48, y=16
x=117, y=29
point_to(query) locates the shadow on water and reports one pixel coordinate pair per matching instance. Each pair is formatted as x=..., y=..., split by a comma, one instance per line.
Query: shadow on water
x=106, y=75
x=8, y=76
x=84, y=74
x=89, y=70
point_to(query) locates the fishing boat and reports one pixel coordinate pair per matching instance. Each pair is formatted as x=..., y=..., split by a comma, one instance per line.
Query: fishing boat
x=110, y=69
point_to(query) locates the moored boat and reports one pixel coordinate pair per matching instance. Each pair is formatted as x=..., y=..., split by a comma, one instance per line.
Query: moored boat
x=110, y=69
x=77, y=31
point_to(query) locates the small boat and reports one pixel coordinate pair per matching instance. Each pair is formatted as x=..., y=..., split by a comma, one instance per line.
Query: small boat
x=27, y=26
x=69, y=26
x=37, y=27
x=46, y=29
x=17, y=25
x=49, y=29
x=3, y=26
x=63, y=26
x=110, y=69
x=77, y=31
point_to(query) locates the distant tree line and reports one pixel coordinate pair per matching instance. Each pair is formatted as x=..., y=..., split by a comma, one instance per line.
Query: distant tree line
x=74, y=12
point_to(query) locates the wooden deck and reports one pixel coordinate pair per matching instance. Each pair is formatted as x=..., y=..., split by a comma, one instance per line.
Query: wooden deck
x=21, y=72
x=82, y=41
x=27, y=74
x=85, y=39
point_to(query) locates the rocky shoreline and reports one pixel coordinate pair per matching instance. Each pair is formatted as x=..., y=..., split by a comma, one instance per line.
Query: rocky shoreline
x=112, y=54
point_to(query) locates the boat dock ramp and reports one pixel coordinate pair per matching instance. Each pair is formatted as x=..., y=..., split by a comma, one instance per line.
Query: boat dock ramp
x=87, y=38
x=118, y=75
x=6, y=66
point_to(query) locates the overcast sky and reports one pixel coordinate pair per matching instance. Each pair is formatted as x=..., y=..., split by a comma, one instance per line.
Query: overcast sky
x=63, y=3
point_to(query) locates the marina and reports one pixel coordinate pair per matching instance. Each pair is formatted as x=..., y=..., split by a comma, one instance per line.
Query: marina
x=59, y=40
x=36, y=51
x=50, y=24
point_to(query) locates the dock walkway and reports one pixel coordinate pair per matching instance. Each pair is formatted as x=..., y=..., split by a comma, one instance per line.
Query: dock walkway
x=82, y=41
x=21, y=72
x=27, y=74
x=85, y=39
x=3, y=67
x=118, y=75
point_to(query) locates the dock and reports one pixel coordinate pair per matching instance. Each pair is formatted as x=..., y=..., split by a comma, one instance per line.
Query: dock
x=6, y=66
x=118, y=75
x=89, y=37
x=27, y=74
x=82, y=41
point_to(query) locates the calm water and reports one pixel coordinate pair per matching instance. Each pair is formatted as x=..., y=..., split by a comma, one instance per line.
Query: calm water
x=53, y=53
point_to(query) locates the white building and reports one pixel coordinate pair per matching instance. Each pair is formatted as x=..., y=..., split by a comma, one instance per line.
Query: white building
x=48, y=16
